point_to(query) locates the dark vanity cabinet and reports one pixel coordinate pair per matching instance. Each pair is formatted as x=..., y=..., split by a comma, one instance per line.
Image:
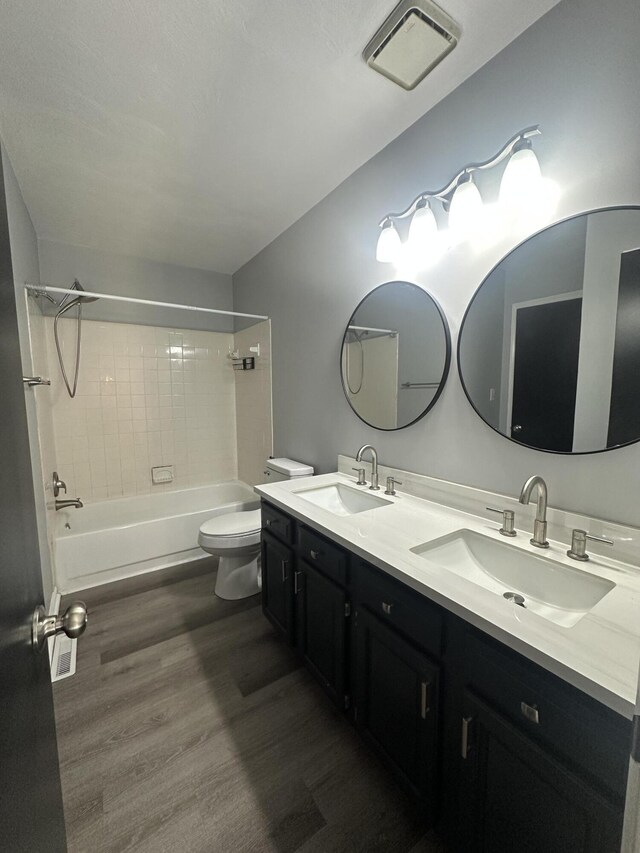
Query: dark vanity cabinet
x=322, y=610
x=278, y=566
x=516, y=796
x=305, y=597
x=502, y=754
x=396, y=705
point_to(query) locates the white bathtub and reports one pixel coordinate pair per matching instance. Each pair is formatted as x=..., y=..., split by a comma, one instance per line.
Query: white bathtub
x=115, y=539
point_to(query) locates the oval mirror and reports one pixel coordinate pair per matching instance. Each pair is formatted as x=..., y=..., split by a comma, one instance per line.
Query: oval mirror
x=395, y=355
x=549, y=348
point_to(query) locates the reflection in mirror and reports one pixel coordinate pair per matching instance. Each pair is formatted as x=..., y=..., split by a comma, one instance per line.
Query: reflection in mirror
x=395, y=355
x=549, y=349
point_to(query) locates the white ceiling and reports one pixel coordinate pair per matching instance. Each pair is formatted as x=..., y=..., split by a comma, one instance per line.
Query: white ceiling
x=196, y=131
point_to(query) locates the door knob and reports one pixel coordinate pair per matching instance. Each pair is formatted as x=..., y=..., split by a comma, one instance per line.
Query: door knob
x=73, y=623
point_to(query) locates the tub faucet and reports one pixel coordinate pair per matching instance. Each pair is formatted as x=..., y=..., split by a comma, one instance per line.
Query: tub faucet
x=75, y=502
x=374, y=464
x=540, y=524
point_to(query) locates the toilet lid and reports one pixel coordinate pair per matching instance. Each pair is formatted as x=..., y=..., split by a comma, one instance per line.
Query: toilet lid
x=233, y=524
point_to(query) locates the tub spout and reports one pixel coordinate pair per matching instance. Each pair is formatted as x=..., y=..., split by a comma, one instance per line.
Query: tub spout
x=72, y=502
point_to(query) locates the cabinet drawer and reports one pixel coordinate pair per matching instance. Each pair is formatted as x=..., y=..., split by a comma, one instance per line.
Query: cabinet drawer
x=417, y=618
x=575, y=726
x=323, y=555
x=277, y=523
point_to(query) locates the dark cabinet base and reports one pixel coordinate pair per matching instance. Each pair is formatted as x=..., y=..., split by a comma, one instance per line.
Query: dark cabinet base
x=507, y=757
x=514, y=797
x=396, y=705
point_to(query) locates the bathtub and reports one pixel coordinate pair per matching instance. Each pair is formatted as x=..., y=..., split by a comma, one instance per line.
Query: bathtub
x=120, y=538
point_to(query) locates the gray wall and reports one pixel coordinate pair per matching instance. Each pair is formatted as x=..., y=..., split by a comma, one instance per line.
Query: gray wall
x=107, y=272
x=24, y=260
x=576, y=74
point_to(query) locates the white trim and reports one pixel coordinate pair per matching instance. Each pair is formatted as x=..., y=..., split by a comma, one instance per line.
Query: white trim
x=48, y=288
x=54, y=607
x=515, y=307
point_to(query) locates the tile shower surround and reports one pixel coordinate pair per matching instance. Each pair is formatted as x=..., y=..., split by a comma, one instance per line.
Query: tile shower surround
x=146, y=396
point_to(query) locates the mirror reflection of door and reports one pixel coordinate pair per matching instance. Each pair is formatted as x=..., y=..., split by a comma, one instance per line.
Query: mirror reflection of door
x=624, y=415
x=549, y=347
x=546, y=346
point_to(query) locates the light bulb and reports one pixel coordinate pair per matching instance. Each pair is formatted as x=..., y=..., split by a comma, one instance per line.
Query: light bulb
x=521, y=183
x=389, y=244
x=423, y=230
x=465, y=211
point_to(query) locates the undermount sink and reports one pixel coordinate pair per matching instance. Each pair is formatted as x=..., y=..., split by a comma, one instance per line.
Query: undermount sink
x=342, y=500
x=553, y=590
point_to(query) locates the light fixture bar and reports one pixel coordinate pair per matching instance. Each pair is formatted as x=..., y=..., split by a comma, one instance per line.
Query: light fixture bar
x=443, y=193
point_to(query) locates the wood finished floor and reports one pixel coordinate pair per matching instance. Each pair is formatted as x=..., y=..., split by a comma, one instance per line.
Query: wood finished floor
x=189, y=726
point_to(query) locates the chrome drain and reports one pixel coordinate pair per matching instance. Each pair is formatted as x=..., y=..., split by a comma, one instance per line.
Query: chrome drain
x=515, y=597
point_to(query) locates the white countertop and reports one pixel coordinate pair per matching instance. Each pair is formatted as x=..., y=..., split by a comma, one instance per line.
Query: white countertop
x=599, y=655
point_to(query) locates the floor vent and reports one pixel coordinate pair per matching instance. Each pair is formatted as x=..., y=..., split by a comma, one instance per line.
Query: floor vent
x=64, y=658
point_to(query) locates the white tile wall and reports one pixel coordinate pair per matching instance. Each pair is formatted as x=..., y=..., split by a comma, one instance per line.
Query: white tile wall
x=38, y=333
x=147, y=396
x=253, y=404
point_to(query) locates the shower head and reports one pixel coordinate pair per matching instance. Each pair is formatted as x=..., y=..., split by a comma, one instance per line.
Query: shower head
x=77, y=286
x=66, y=305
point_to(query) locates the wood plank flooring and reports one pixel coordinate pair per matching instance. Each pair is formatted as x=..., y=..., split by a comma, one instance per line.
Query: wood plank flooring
x=189, y=726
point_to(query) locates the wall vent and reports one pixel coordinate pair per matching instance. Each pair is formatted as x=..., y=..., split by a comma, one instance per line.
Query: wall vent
x=415, y=37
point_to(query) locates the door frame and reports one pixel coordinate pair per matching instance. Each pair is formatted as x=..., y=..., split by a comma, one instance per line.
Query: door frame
x=515, y=307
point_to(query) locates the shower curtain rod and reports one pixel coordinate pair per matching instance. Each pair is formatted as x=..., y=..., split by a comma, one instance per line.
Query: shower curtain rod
x=48, y=288
x=372, y=329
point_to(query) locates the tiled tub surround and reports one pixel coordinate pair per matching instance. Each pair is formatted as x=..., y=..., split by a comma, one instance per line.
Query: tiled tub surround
x=598, y=655
x=253, y=404
x=147, y=396
x=38, y=333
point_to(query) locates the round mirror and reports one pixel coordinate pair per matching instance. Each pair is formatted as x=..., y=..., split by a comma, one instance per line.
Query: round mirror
x=549, y=348
x=395, y=356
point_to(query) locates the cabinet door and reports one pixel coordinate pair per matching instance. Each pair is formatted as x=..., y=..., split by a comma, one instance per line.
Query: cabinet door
x=515, y=797
x=277, y=585
x=321, y=629
x=397, y=705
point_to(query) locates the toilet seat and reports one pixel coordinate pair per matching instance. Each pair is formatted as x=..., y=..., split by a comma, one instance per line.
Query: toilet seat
x=232, y=530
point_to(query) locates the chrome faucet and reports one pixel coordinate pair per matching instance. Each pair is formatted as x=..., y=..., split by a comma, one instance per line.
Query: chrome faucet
x=75, y=502
x=540, y=524
x=374, y=464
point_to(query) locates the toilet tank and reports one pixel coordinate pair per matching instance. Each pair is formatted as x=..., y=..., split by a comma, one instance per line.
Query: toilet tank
x=285, y=469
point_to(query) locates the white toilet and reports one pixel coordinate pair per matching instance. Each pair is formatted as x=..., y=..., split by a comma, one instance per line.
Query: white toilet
x=235, y=538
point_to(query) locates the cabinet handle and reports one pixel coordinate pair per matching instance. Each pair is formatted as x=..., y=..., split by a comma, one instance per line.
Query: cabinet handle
x=315, y=554
x=285, y=566
x=296, y=588
x=530, y=712
x=424, y=699
x=268, y=522
x=465, y=745
x=386, y=607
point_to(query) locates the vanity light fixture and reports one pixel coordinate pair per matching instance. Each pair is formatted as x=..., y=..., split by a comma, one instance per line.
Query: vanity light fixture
x=423, y=228
x=389, y=244
x=465, y=209
x=522, y=179
x=461, y=200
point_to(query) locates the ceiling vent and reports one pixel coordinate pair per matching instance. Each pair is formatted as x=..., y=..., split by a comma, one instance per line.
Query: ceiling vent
x=416, y=36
